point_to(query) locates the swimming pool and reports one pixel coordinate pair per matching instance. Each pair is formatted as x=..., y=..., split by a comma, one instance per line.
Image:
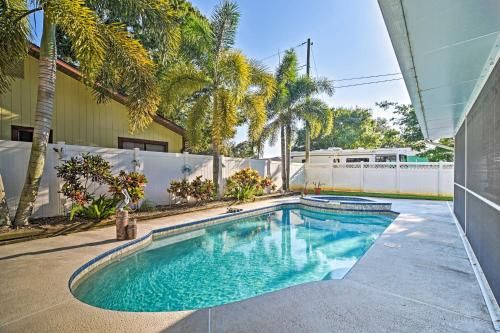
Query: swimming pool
x=235, y=260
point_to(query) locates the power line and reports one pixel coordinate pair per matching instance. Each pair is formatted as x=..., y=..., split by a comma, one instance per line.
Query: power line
x=365, y=77
x=278, y=53
x=365, y=83
x=314, y=62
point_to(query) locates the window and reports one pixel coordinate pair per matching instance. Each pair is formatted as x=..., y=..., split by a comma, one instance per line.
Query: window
x=402, y=158
x=23, y=133
x=385, y=158
x=145, y=145
x=335, y=160
x=357, y=159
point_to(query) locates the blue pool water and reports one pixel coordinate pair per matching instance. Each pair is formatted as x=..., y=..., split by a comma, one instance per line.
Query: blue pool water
x=234, y=261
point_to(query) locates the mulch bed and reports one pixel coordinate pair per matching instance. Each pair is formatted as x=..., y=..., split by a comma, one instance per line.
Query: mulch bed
x=61, y=225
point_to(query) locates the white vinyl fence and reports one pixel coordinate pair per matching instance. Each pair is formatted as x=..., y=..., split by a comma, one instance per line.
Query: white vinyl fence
x=407, y=178
x=159, y=168
x=162, y=168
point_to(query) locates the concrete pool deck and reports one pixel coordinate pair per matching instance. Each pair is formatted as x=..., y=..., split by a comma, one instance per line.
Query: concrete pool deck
x=415, y=278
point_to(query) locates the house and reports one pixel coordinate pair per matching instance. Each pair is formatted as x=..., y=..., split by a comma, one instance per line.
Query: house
x=78, y=118
x=448, y=52
x=339, y=155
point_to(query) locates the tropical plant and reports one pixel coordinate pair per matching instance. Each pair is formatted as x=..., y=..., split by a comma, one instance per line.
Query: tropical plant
x=202, y=190
x=133, y=182
x=147, y=206
x=98, y=209
x=199, y=189
x=294, y=101
x=107, y=55
x=180, y=189
x=244, y=184
x=81, y=174
x=221, y=89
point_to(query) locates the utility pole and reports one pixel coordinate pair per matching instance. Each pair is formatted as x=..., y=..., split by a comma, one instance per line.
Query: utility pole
x=308, y=71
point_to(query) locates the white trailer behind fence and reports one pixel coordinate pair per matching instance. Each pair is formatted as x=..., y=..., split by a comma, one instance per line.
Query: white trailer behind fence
x=162, y=168
x=384, y=177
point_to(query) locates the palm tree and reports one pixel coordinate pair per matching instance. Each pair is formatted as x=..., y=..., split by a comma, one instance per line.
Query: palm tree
x=105, y=51
x=221, y=89
x=291, y=104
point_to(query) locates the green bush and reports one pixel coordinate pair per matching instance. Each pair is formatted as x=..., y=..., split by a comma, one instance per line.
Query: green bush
x=133, y=182
x=147, y=206
x=199, y=189
x=245, y=184
x=79, y=175
x=98, y=209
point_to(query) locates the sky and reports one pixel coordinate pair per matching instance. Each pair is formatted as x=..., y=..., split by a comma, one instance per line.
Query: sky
x=349, y=40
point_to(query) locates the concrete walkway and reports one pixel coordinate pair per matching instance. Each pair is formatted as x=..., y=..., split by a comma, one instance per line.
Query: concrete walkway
x=415, y=278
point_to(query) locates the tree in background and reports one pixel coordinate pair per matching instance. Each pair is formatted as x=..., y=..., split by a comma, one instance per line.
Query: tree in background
x=353, y=128
x=218, y=89
x=294, y=101
x=105, y=52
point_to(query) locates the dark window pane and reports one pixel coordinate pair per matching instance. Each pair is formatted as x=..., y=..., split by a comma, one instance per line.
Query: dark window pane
x=155, y=147
x=357, y=159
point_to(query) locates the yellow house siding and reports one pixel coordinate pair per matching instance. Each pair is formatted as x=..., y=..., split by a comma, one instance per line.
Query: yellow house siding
x=78, y=118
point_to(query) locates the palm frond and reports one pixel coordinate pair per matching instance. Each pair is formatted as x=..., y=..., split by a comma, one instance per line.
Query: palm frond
x=224, y=24
x=81, y=25
x=225, y=116
x=129, y=69
x=234, y=73
x=155, y=23
x=14, y=35
x=196, y=121
x=180, y=82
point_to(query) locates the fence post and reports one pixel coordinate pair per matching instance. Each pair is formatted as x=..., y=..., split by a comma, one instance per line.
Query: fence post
x=268, y=168
x=221, y=175
x=398, y=181
x=362, y=183
x=61, y=201
x=440, y=169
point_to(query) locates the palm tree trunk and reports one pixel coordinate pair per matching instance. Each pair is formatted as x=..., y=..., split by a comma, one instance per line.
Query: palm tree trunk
x=4, y=207
x=307, y=142
x=288, y=153
x=43, y=122
x=283, y=157
x=216, y=167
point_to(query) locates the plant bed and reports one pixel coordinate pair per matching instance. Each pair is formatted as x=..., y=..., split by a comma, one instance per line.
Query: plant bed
x=62, y=225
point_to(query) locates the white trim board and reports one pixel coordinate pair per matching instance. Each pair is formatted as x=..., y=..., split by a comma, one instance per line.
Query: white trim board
x=483, y=199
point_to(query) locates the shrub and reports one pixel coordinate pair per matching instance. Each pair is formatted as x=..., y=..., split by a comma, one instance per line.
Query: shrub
x=180, y=189
x=147, y=206
x=79, y=173
x=98, y=209
x=202, y=190
x=199, y=189
x=246, y=184
x=133, y=182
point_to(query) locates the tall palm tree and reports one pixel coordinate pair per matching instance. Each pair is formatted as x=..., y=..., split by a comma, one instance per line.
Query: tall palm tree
x=221, y=89
x=292, y=104
x=107, y=55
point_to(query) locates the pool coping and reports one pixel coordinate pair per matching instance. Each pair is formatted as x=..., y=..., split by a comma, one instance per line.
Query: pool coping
x=128, y=248
x=419, y=296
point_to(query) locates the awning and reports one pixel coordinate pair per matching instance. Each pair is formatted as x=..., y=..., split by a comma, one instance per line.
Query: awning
x=446, y=50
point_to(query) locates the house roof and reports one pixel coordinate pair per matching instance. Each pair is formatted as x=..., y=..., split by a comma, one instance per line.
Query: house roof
x=446, y=51
x=73, y=72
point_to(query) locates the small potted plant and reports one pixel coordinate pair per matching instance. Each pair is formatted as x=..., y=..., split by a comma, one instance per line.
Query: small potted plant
x=317, y=188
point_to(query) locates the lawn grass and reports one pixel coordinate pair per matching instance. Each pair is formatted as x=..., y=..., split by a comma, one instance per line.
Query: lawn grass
x=390, y=195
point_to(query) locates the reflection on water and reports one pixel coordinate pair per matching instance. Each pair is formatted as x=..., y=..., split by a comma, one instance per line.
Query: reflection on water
x=234, y=261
